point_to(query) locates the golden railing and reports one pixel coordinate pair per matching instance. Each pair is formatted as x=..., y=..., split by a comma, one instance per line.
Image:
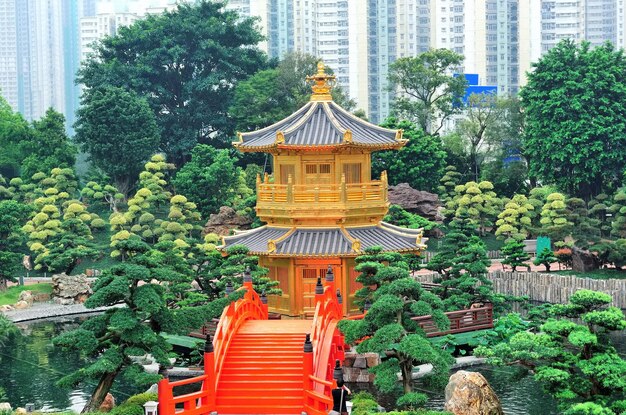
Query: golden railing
x=346, y=193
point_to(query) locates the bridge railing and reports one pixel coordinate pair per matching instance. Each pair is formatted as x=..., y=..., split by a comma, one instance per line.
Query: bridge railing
x=327, y=347
x=248, y=307
x=461, y=321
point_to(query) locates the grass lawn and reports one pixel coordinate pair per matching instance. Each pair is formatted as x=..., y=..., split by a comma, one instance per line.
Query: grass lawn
x=599, y=274
x=11, y=295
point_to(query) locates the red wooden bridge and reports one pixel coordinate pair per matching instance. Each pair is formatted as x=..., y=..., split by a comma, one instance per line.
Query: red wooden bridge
x=260, y=366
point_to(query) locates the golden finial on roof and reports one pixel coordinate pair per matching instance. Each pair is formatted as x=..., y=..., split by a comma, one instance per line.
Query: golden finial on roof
x=321, y=84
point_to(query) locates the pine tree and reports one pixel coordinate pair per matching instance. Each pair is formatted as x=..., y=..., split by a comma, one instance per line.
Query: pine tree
x=450, y=180
x=554, y=221
x=376, y=268
x=514, y=221
x=477, y=201
x=618, y=209
x=514, y=255
x=545, y=258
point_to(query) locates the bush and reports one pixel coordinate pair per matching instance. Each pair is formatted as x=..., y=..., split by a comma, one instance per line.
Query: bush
x=134, y=404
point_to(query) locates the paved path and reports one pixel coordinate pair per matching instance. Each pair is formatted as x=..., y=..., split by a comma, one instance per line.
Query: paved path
x=47, y=310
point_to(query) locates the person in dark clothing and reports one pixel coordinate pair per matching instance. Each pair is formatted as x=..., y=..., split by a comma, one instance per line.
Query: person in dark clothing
x=340, y=396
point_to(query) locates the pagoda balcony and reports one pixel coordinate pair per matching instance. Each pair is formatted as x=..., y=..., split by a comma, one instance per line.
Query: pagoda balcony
x=322, y=203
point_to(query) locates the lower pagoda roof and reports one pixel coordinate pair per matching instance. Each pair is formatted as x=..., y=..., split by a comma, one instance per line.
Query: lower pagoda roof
x=326, y=242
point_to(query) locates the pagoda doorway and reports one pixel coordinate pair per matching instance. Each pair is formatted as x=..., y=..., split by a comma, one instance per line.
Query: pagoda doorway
x=307, y=272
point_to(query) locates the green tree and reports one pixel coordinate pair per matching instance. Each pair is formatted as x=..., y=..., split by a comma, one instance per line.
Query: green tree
x=96, y=192
x=600, y=209
x=554, y=217
x=211, y=180
x=467, y=281
x=420, y=163
x=118, y=130
x=230, y=269
x=400, y=217
x=515, y=255
x=575, y=360
x=272, y=94
x=12, y=239
x=146, y=285
x=390, y=331
x=457, y=238
x=514, y=221
x=429, y=91
x=545, y=258
x=48, y=146
x=14, y=129
x=376, y=268
x=573, y=102
x=618, y=210
x=585, y=228
x=477, y=201
x=187, y=70
x=450, y=180
x=483, y=112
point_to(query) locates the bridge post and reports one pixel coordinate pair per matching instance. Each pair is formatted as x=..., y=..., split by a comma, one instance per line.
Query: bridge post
x=319, y=290
x=307, y=367
x=208, y=386
x=247, y=279
x=330, y=278
x=263, y=299
x=166, y=397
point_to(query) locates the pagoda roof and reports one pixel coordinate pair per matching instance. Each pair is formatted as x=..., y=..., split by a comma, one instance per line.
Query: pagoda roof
x=326, y=242
x=320, y=123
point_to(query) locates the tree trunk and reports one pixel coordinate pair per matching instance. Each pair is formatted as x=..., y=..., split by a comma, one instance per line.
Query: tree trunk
x=407, y=372
x=104, y=386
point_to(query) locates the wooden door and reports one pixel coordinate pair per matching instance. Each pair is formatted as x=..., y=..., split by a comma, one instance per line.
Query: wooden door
x=307, y=275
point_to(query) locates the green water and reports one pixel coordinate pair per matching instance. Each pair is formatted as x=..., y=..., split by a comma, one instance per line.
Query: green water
x=30, y=367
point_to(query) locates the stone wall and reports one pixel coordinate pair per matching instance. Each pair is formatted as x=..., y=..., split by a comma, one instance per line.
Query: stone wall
x=355, y=367
x=549, y=288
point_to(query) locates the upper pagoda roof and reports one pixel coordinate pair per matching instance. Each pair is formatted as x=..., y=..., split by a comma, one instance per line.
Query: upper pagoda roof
x=320, y=123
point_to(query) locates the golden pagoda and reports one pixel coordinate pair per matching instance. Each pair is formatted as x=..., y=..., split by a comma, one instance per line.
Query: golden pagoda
x=321, y=206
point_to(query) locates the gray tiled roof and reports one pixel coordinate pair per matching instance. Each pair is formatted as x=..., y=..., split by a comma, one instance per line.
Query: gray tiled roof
x=325, y=241
x=320, y=123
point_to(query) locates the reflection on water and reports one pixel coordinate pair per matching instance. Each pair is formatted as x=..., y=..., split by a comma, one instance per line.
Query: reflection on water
x=519, y=394
x=30, y=366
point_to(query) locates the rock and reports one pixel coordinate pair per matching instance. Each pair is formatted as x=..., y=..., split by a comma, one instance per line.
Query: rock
x=373, y=359
x=226, y=220
x=5, y=406
x=70, y=289
x=21, y=305
x=27, y=296
x=20, y=411
x=415, y=201
x=469, y=393
x=360, y=362
x=584, y=261
x=348, y=360
x=6, y=307
x=107, y=404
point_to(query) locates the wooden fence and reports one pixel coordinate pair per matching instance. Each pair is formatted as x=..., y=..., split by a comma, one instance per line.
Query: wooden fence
x=549, y=288
x=427, y=255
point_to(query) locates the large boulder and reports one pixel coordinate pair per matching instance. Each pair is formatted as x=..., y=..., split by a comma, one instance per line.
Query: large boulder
x=107, y=404
x=70, y=289
x=21, y=305
x=583, y=260
x=27, y=296
x=226, y=220
x=469, y=393
x=416, y=201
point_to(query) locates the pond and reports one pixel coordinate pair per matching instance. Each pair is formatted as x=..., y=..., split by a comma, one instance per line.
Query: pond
x=518, y=392
x=30, y=366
